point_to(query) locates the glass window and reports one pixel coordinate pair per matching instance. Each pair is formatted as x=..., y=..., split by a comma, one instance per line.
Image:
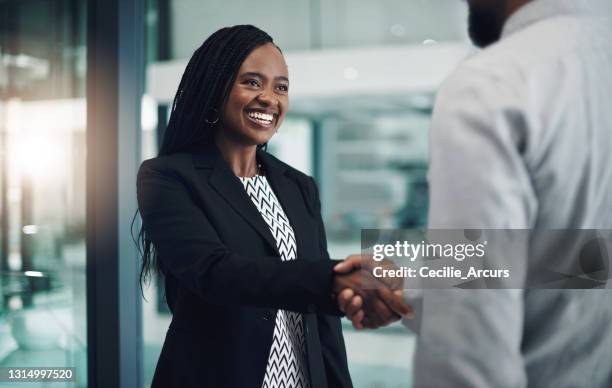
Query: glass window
x=290, y=23
x=42, y=185
x=354, y=23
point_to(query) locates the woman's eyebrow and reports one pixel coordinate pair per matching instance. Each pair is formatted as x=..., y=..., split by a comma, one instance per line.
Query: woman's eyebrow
x=252, y=74
x=282, y=78
x=259, y=75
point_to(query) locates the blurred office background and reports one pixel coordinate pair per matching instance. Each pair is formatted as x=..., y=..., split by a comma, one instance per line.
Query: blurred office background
x=363, y=78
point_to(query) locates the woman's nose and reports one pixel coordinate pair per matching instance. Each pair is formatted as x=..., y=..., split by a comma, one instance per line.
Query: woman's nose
x=267, y=98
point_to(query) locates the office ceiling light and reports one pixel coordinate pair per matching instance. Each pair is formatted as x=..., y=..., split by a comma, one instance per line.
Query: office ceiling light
x=36, y=274
x=30, y=229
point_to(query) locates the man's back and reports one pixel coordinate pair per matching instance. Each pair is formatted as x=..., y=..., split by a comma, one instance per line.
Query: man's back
x=560, y=70
x=522, y=139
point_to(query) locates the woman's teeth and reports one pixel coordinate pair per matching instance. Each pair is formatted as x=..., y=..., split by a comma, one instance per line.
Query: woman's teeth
x=263, y=118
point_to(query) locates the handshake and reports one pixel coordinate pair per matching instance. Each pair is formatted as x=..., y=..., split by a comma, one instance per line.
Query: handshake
x=367, y=301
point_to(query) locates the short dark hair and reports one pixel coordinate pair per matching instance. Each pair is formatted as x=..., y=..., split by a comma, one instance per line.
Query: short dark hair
x=204, y=87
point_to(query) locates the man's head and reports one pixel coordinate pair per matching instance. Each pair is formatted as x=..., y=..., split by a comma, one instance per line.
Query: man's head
x=487, y=18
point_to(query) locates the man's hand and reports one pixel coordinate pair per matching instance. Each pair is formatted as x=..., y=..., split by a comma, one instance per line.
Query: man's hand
x=368, y=302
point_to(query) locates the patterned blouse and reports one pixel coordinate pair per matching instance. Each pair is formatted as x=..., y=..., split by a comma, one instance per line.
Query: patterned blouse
x=287, y=366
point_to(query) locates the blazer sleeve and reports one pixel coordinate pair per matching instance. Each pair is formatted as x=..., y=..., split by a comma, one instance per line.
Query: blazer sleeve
x=191, y=251
x=330, y=328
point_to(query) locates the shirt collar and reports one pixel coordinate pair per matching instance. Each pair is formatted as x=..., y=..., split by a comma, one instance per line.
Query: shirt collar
x=537, y=10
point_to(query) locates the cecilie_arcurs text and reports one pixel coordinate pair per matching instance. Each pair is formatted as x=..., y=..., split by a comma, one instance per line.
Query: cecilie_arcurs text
x=448, y=272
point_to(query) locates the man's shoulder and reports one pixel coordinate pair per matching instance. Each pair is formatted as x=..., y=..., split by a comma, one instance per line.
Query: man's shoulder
x=481, y=78
x=537, y=45
x=512, y=63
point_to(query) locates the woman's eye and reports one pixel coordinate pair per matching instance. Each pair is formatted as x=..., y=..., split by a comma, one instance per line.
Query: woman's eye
x=283, y=88
x=252, y=82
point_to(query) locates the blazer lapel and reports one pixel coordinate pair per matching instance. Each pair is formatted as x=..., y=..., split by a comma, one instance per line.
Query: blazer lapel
x=229, y=187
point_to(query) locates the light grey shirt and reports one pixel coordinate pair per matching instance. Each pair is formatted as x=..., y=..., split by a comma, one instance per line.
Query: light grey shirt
x=522, y=138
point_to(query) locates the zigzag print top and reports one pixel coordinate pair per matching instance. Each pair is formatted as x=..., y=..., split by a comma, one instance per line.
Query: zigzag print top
x=287, y=367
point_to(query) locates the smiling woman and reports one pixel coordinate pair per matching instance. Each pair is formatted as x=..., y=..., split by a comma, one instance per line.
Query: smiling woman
x=258, y=100
x=237, y=234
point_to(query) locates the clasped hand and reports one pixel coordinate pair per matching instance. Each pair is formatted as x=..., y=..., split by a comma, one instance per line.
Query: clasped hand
x=367, y=301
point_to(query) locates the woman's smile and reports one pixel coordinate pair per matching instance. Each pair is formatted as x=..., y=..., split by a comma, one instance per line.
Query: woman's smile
x=260, y=118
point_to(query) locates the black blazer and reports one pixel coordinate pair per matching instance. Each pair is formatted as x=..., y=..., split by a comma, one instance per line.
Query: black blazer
x=224, y=277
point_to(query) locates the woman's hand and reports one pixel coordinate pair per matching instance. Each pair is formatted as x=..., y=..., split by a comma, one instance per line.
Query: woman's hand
x=367, y=301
